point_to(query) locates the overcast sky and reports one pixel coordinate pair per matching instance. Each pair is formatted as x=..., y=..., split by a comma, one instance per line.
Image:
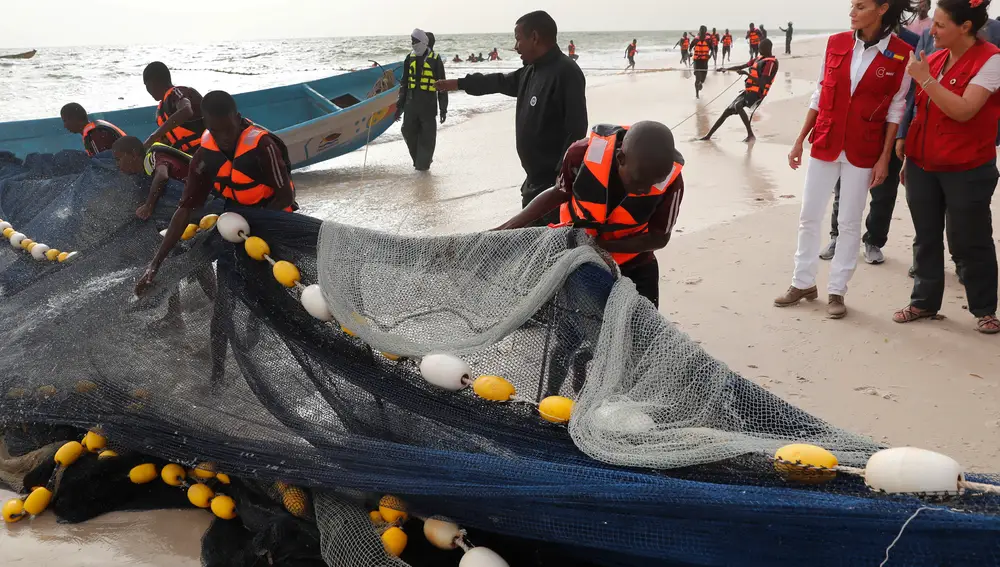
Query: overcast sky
x=40, y=23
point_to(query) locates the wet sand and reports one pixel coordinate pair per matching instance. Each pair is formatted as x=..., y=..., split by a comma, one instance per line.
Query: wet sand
x=929, y=384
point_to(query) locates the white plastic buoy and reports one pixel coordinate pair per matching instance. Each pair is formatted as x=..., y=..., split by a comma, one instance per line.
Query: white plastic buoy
x=233, y=227
x=15, y=240
x=38, y=251
x=312, y=299
x=446, y=371
x=4, y=226
x=621, y=418
x=441, y=533
x=482, y=557
x=908, y=470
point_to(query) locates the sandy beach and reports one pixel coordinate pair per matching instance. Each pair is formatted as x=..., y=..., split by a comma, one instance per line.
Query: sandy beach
x=930, y=384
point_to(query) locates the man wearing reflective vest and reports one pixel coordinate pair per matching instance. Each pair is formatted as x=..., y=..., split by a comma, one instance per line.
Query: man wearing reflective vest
x=727, y=46
x=238, y=161
x=419, y=100
x=178, y=114
x=685, y=45
x=98, y=135
x=760, y=74
x=623, y=185
x=161, y=162
x=701, y=52
x=753, y=38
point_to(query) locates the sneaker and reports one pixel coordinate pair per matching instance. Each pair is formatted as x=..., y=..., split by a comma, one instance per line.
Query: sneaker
x=795, y=295
x=873, y=254
x=830, y=250
x=835, y=308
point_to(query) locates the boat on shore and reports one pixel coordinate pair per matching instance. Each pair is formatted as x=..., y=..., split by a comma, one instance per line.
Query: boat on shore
x=24, y=55
x=317, y=120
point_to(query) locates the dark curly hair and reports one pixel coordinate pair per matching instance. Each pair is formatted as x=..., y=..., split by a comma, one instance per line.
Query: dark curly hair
x=900, y=12
x=961, y=11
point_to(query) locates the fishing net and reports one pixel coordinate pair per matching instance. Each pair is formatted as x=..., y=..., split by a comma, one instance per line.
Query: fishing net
x=666, y=459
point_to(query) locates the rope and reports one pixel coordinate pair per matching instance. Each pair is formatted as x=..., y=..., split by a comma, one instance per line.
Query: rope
x=738, y=79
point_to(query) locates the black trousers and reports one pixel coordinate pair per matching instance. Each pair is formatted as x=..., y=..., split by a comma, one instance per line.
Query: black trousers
x=880, y=211
x=958, y=205
x=530, y=189
x=646, y=278
x=420, y=132
x=788, y=46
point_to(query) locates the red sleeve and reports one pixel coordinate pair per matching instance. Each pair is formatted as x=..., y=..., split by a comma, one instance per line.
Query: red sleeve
x=665, y=216
x=272, y=163
x=198, y=185
x=571, y=164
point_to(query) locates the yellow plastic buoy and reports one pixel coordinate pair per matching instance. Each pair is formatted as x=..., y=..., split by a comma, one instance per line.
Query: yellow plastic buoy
x=13, y=511
x=68, y=453
x=257, y=248
x=62, y=256
x=204, y=471
x=286, y=273
x=26, y=243
x=37, y=501
x=390, y=356
x=347, y=331
x=94, y=442
x=200, y=495
x=295, y=501
x=376, y=517
x=207, y=222
x=804, y=463
x=109, y=454
x=392, y=509
x=52, y=254
x=493, y=388
x=224, y=507
x=394, y=541
x=173, y=474
x=143, y=474
x=556, y=409
x=223, y=478
x=47, y=391
x=7, y=232
x=85, y=387
x=189, y=232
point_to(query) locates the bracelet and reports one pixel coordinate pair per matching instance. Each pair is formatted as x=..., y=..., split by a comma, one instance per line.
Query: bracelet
x=925, y=83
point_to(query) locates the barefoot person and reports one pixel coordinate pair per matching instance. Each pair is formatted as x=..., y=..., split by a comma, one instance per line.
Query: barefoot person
x=852, y=122
x=761, y=73
x=701, y=53
x=950, y=169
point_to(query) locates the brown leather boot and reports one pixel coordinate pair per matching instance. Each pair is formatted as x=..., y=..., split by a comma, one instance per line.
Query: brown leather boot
x=835, y=308
x=795, y=295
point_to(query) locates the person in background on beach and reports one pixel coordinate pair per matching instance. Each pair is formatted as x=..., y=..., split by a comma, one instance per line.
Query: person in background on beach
x=760, y=76
x=763, y=32
x=883, y=196
x=624, y=187
x=701, y=52
x=162, y=162
x=571, y=50
x=551, y=101
x=178, y=114
x=923, y=21
x=753, y=39
x=457, y=59
x=419, y=100
x=630, y=52
x=98, y=135
x=950, y=179
x=715, y=45
x=852, y=121
x=685, y=45
x=788, y=38
x=727, y=46
x=231, y=145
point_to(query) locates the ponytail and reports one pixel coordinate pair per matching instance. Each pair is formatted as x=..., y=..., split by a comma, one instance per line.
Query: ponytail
x=900, y=12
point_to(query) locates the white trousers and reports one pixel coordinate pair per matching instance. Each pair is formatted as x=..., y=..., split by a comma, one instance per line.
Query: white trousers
x=821, y=178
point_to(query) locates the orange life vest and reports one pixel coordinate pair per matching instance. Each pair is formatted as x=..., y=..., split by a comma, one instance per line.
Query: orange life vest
x=572, y=49
x=187, y=136
x=715, y=40
x=238, y=179
x=754, y=38
x=727, y=40
x=702, y=50
x=100, y=125
x=685, y=44
x=754, y=84
x=588, y=207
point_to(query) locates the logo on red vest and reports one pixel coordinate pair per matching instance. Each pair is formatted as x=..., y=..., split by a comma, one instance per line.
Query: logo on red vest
x=880, y=72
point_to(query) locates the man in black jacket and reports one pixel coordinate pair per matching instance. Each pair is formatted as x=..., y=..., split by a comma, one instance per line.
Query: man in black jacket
x=551, y=102
x=419, y=97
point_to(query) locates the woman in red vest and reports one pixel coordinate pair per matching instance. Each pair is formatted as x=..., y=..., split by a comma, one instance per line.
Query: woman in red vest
x=851, y=123
x=950, y=169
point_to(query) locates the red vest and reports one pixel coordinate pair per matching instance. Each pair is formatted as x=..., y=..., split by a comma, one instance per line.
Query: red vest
x=856, y=123
x=938, y=143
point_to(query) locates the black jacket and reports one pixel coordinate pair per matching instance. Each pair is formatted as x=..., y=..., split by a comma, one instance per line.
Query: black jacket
x=424, y=99
x=551, y=110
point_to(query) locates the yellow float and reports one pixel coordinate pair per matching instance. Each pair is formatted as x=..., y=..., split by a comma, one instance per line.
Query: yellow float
x=257, y=248
x=807, y=464
x=143, y=474
x=556, y=409
x=493, y=388
x=224, y=507
x=37, y=501
x=200, y=495
x=13, y=511
x=173, y=474
x=392, y=509
x=286, y=273
x=189, y=232
x=394, y=541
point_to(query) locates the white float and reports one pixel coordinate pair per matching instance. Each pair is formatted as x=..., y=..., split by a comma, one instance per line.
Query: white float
x=482, y=557
x=4, y=226
x=313, y=301
x=446, y=371
x=38, y=251
x=15, y=240
x=908, y=470
x=441, y=533
x=233, y=227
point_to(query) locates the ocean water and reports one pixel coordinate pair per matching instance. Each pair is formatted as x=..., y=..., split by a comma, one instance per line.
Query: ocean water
x=110, y=78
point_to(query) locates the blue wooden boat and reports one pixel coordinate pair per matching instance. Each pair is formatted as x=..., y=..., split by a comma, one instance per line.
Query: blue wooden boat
x=318, y=120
